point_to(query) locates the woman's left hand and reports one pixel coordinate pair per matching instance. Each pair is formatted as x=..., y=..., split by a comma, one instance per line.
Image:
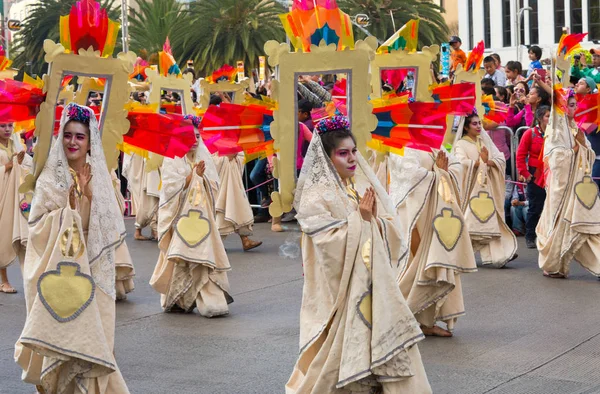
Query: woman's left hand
x=84, y=177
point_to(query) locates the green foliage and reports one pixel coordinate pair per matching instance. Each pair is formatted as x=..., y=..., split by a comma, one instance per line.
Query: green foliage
x=432, y=27
x=218, y=32
x=153, y=23
x=43, y=23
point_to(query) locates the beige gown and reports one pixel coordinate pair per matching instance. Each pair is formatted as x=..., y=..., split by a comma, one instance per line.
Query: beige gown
x=13, y=217
x=123, y=262
x=192, y=267
x=357, y=335
x=482, y=193
x=234, y=214
x=569, y=228
x=426, y=200
x=145, y=192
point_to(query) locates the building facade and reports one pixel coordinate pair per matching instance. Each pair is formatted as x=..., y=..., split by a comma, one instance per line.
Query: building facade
x=451, y=14
x=495, y=22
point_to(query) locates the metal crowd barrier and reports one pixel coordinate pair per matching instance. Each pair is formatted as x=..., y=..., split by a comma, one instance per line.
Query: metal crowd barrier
x=513, y=167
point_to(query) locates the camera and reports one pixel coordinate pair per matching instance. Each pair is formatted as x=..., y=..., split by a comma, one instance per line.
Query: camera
x=577, y=57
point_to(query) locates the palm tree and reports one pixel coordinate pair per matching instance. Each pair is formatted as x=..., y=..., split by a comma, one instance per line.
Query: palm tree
x=221, y=32
x=153, y=23
x=432, y=27
x=43, y=23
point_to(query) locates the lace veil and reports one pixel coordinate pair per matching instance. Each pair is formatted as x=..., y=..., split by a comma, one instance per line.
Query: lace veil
x=106, y=228
x=485, y=138
x=321, y=200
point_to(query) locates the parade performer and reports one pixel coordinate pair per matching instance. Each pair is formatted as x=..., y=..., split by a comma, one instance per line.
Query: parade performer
x=192, y=267
x=14, y=206
x=357, y=333
x=424, y=191
x=482, y=193
x=234, y=214
x=69, y=274
x=569, y=228
x=123, y=262
x=144, y=188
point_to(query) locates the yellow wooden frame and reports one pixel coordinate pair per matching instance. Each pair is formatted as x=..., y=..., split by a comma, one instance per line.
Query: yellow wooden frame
x=88, y=63
x=421, y=61
x=321, y=59
x=160, y=82
x=237, y=88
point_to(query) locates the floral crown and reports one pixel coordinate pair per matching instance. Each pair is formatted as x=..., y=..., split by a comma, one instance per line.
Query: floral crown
x=194, y=119
x=78, y=113
x=333, y=123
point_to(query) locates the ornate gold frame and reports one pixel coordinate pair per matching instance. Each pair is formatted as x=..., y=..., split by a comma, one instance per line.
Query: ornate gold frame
x=403, y=59
x=355, y=63
x=182, y=84
x=113, y=122
x=223, y=86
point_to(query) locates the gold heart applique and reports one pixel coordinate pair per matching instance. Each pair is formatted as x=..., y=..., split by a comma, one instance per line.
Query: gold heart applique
x=193, y=228
x=25, y=205
x=66, y=292
x=71, y=242
x=482, y=207
x=448, y=228
x=365, y=308
x=586, y=192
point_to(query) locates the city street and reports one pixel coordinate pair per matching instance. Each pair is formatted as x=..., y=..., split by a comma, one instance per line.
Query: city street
x=523, y=333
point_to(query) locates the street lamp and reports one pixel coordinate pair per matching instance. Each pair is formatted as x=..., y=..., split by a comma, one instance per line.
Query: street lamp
x=518, y=26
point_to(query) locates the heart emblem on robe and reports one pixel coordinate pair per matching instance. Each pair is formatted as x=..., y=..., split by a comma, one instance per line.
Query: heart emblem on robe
x=66, y=292
x=365, y=309
x=193, y=228
x=448, y=228
x=71, y=242
x=586, y=192
x=482, y=206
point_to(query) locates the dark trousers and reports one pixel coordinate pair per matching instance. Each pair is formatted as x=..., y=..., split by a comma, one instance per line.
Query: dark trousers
x=536, y=196
x=596, y=172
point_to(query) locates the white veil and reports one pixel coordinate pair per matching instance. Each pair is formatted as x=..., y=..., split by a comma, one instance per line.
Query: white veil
x=485, y=138
x=321, y=200
x=106, y=229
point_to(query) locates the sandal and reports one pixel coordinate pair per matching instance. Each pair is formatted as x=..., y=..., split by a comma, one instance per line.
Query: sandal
x=7, y=288
x=436, y=331
x=557, y=275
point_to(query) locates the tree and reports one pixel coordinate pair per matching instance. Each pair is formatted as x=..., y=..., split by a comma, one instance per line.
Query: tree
x=221, y=32
x=153, y=23
x=43, y=23
x=432, y=27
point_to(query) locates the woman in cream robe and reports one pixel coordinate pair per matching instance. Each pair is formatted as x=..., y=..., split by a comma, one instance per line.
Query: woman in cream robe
x=569, y=228
x=234, y=214
x=15, y=164
x=144, y=188
x=69, y=274
x=192, y=267
x=425, y=193
x=357, y=335
x=482, y=193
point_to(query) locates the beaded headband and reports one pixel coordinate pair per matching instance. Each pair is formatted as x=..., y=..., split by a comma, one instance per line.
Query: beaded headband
x=194, y=119
x=333, y=123
x=78, y=113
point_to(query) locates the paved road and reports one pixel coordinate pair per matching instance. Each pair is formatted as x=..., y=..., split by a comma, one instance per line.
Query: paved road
x=523, y=333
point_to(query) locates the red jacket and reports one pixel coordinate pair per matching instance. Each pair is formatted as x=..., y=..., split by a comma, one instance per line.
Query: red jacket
x=530, y=148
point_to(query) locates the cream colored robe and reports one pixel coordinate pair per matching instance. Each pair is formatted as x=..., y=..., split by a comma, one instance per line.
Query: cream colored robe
x=192, y=267
x=482, y=195
x=426, y=199
x=234, y=213
x=145, y=192
x=68, y=339
x=123, y=261
x=13, y=220
x=569, y=228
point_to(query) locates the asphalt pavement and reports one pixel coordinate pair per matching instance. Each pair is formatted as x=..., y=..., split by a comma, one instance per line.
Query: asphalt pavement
x=523, y=333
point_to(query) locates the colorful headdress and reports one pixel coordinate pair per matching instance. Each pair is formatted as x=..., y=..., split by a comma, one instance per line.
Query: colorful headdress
x=333, y=123
x=196, y=120
x=78, y=113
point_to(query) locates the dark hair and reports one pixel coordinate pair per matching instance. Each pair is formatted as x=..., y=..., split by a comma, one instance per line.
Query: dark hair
x=540, y=112
x=215, y=100
x=305, y=106
x=488, y=81
x=510, y=89
x=544, y=96
x=496, y=56
x=331, y=139
x=536, y=50
x=489, y=59
x=488, y=90
x=525, y=85
x=502, y=91
x=514, y=65
x=191, y=71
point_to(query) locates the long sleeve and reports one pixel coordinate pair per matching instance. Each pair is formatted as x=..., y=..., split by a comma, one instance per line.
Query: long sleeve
x=513, y=120
x=522, y=153
x=310, y=96
x=318, y=91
